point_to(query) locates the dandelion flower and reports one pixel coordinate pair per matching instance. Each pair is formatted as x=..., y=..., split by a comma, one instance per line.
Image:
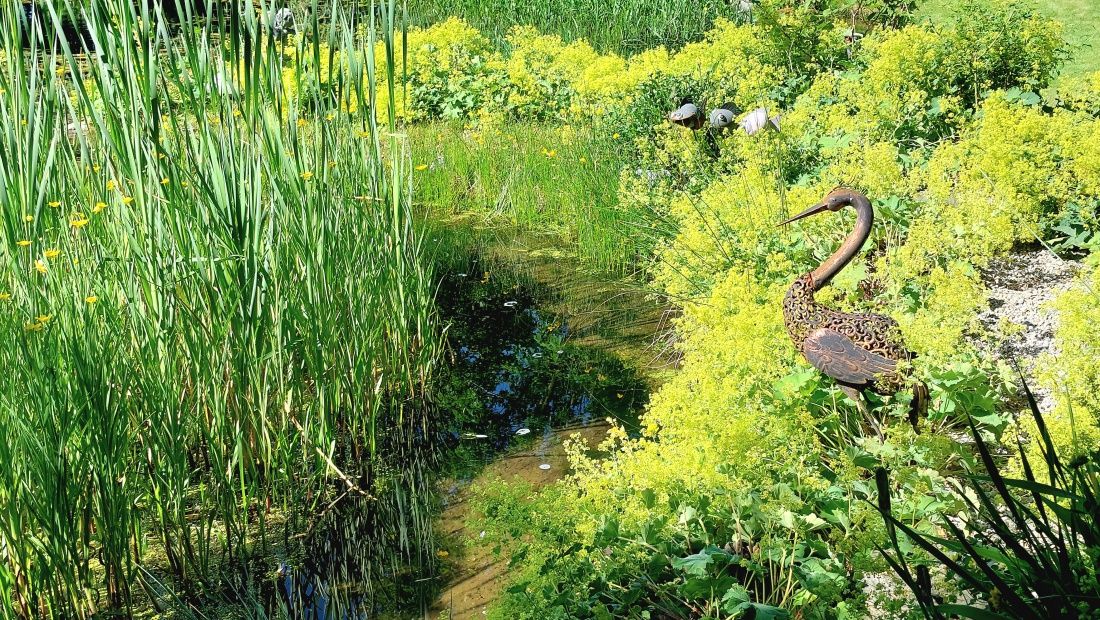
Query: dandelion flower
x=91, y=299
x=40, y=266
x=55, y=204
x=127, y=200
x=422, y=167
x=43, y=318
x=79, y=222
x=29, y=218
x=306, y=175
x=23, y=243
x=99, y=206
x=53, y=253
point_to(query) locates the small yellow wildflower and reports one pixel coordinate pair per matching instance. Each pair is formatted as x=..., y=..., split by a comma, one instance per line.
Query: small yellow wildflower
x=422, y=167
x=161, y=155
x=164, y=181
x=91, y=299
x=302, y=122
x=332, y=164
x=43, y=318
x=583, y=160
x=39, y=266
x=95, y=169
x=99, y=206
x=29, y=218
x=36, y=327
x=306, y=175
x=5, y=296
x=330, y=116
x=236, y=112
x=52, y=253
x=364, y=134
x=55, y=204
x=615, y=136
x=78, y=222
x=127, y=200
x=23, y=242
x=110, y=186
x=184, y=183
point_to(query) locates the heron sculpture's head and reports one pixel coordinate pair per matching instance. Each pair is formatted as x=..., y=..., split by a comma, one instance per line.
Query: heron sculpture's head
x=835, y=201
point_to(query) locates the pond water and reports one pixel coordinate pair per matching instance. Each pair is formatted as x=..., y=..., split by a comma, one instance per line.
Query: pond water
x=538, y=350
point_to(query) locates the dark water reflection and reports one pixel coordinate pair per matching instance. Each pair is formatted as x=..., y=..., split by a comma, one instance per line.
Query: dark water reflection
x=534, y=345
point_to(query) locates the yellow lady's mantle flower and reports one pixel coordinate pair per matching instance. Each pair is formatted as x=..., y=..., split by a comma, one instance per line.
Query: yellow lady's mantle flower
x=52, y=253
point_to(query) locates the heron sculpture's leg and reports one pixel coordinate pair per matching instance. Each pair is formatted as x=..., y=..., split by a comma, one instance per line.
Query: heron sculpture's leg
x=861, y=402
x=918, y=407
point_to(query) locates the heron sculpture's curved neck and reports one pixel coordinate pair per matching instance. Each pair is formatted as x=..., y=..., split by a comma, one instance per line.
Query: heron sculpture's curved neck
x=865, y=217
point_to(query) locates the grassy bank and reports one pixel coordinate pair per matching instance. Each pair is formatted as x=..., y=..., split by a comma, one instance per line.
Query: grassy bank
x=220, y=329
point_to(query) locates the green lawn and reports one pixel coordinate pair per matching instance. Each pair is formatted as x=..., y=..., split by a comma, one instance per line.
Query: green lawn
x=1081, y=17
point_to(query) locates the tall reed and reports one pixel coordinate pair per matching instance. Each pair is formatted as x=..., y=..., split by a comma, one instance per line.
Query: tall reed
x=215, y=309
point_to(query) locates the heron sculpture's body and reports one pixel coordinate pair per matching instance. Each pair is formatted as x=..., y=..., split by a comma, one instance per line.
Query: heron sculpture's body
x=860, y=351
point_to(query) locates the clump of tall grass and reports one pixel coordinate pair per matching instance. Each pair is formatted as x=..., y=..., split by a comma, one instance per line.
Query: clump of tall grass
x=214, y=306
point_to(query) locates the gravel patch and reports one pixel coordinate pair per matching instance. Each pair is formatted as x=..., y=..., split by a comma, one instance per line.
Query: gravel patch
x=1020, y=287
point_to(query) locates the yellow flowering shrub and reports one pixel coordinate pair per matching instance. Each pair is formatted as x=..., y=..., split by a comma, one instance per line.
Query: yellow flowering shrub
x=542, y=70
x=734, y=56
x=1073, y=375
x=993, y=187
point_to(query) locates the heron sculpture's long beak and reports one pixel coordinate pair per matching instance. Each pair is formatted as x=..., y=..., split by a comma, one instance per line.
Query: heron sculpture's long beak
x=814, y=210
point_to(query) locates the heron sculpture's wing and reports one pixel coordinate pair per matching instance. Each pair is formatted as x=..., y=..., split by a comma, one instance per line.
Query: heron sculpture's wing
x=836, y=355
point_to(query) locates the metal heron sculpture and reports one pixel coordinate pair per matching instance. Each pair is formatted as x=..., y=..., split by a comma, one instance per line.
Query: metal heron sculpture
x=860, y=351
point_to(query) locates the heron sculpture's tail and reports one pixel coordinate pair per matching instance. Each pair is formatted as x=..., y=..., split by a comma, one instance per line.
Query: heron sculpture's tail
x=918, y=407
